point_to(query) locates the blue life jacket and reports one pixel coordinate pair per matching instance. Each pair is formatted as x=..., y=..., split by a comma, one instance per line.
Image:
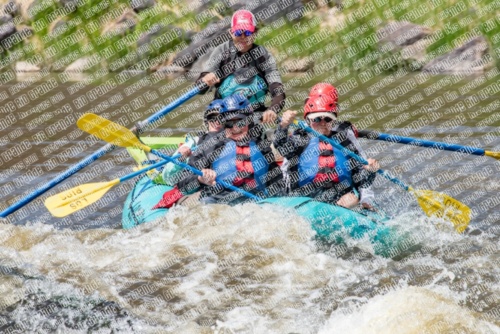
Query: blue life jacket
x=226, y=164
x=309, y=162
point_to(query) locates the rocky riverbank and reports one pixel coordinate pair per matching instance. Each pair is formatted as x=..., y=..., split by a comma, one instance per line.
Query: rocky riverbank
x=443, y=36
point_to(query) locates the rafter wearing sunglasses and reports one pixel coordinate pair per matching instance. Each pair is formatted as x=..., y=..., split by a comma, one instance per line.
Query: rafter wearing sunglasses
x=320, y=118
x=239, y=123
x=239, y=33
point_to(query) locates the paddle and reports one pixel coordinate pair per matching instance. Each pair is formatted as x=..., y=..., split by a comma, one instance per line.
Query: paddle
x=79, y=197
x=427, y=143
x=431, y=202
x=120, y=136
x=88, y=160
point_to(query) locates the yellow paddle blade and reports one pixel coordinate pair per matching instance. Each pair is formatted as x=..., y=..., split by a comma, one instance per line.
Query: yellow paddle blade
x=109, y=131
x=77, y=198
x=444, y=206
x=495, y=155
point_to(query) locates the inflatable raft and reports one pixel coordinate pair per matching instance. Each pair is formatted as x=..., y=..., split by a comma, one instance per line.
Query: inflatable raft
x=332, y=223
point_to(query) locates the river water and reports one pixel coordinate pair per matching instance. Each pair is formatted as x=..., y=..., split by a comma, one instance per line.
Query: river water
x=252, y=269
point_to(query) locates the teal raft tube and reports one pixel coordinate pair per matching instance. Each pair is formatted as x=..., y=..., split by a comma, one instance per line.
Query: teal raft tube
x=332, y=223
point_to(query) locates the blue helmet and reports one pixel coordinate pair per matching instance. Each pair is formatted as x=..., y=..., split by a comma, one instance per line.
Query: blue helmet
x=214, y=108
x=237, y=106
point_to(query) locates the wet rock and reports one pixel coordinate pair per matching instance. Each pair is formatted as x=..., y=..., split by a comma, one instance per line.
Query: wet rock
x=140, y=5
x=472, y=56
x=405, y=38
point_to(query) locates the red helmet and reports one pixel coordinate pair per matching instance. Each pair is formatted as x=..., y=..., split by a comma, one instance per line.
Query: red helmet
x=324, y=89
x=323, y=104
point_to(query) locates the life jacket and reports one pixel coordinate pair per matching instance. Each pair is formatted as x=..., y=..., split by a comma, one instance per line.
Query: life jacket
x=320, y=163
x=254, y=89
x=241, y=165
x=249, y=79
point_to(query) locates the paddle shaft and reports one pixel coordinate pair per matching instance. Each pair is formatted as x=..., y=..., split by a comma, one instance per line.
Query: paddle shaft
x=148, y=168
x=420, y=142
x=198, y=172
x=88, y=160
x=344, y=150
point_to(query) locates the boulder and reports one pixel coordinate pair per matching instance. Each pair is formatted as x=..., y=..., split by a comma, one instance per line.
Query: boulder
x=405, y=37
x=72, y=3
x=124, y=24
x=140, y=5
x=12, y=36
x=199, y=65
x=203, y=42
x=473, y=56
x=170, y=71
x=297, y=65
x=10, y=8
x=401, y=34
x=24, y=66
x=6, y=19
x=7, y=29
x=58, y=27
x=83, y=64
x=271, y=10
x=158, y=30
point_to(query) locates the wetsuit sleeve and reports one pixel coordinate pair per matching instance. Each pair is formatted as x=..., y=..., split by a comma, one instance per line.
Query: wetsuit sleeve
x=171, y=170
x=276, y=87
x=277, y=97
x=188, y=182
x=355, y=143
x=361, y=177
x=212, y=65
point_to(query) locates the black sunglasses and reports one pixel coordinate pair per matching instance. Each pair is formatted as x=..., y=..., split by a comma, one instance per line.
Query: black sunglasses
x=318, y=119
x=240, y=123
